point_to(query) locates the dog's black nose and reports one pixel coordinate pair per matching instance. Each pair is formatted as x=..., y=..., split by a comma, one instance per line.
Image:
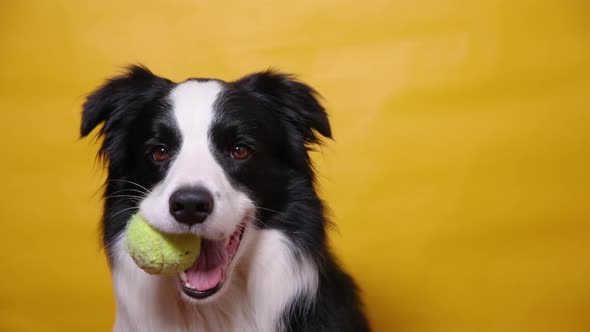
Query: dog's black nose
x=191, y=205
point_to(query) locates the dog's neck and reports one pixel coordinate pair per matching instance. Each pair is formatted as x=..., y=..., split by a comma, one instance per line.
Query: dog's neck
x=266, y=279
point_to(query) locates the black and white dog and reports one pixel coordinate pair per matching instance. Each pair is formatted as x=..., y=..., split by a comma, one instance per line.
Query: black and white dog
x=227, y=161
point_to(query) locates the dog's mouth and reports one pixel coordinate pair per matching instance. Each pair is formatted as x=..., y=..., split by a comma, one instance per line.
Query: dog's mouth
x=208, y=273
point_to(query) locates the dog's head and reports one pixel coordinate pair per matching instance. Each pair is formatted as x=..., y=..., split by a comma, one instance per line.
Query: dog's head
x=205, y=156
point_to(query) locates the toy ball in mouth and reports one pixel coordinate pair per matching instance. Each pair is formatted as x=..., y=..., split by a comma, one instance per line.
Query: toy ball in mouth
x=160, y=253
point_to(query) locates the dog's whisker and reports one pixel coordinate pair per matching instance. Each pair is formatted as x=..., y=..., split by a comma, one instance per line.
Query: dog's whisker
x=132, y=198
x=260, y=221
x=121, y=211
x=125, y=196
x=131, y=182
x=267, y=209
x=131, y=190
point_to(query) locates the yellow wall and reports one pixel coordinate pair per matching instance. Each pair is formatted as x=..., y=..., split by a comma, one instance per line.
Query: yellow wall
x=459, y=178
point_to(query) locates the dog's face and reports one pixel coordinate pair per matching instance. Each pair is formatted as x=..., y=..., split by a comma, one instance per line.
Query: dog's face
x=213, y=158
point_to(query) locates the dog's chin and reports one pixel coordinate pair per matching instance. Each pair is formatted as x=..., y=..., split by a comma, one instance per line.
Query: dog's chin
x=211, y=273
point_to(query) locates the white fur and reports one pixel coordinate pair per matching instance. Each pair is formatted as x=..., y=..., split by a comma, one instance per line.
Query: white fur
x=192, y=105
x=266, y=277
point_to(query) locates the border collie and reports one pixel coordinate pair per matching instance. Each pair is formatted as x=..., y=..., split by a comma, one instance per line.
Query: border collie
x=227, y=161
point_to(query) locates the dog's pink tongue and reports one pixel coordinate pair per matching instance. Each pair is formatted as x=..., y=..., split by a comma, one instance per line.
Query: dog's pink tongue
x=207, y=272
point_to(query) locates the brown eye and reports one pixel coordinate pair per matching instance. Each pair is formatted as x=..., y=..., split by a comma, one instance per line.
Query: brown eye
x=159, y=153
x=239, y=152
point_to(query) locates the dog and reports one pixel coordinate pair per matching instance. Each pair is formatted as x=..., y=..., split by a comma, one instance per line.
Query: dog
x=227, y=161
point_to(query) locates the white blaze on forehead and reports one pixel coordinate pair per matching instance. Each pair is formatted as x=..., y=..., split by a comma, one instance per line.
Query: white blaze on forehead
x=192, y=106
x=192, y=103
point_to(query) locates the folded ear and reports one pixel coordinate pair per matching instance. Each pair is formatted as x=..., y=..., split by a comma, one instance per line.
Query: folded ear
x=298, y=101
x=126, y=92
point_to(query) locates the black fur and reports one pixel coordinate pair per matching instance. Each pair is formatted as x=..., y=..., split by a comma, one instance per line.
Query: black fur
x=132, y=108
x=274, y=115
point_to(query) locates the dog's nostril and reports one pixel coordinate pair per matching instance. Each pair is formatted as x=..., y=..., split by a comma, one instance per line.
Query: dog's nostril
x=191, y=205
x=204, y=206
x=176, y=207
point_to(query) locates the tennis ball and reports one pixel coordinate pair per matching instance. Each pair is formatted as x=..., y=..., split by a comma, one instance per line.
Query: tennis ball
x=160, y=253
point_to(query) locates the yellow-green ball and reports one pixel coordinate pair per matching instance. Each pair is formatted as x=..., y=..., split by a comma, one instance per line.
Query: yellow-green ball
x=160, y=253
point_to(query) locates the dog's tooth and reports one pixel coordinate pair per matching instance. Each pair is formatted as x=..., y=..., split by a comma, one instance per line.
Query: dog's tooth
x=183, y=277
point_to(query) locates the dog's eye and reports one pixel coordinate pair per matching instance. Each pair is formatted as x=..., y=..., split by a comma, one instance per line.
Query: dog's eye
x=239, y=152
x=160, y=153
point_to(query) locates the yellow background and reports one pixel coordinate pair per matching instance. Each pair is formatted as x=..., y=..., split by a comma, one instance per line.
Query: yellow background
x=458, y=178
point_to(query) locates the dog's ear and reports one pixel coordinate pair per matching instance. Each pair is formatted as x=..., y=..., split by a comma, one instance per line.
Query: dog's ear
x=298, y=101
x=298, y=107
x=110, y=102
